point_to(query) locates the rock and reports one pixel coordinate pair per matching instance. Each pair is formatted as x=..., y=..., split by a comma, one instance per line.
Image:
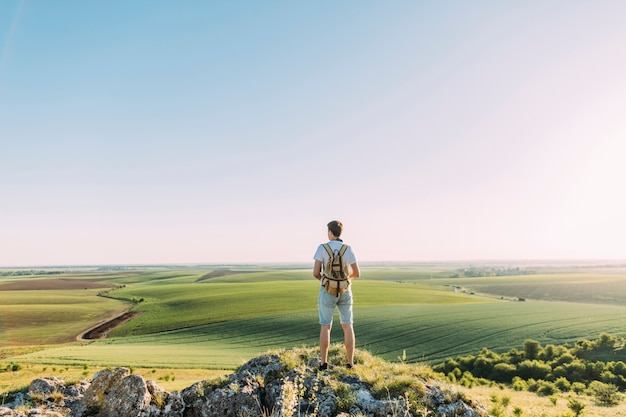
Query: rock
x=7, y=412
x=114, y=393
x=444, y=406
x=95, y=396
x=261, y=387
x=35, y=412
x=46, y=385
x=163, y=403
x=241, y=396
x=127, y=398
x=16, y=400
x=457, y=408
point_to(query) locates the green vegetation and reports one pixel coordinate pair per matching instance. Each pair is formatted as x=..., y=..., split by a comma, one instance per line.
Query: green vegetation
x=547, y=370
x=387, y=379
x=474, y=271
x=604, y=286
x=52, y=316
x=215, y=318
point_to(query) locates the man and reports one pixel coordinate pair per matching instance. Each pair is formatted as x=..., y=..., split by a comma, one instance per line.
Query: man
x=327, y=302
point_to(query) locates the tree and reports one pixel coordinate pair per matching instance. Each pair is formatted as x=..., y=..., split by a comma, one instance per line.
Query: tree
x=531, y=349
x=503, y=372
x=607, y=341
x=533, y=369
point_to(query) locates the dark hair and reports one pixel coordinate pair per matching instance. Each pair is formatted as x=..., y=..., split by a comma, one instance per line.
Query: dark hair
x=336, y=227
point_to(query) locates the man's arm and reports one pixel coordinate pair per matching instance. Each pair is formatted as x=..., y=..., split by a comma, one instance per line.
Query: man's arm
x=354, y=271
x=317, y=269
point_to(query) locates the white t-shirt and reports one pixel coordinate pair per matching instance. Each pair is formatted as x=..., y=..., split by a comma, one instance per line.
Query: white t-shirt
x=335, y=245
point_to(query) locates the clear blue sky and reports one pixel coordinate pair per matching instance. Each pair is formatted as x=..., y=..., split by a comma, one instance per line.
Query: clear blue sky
x=197, y=131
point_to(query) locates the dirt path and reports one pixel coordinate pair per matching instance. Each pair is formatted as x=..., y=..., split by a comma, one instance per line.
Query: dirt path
x=100, y=330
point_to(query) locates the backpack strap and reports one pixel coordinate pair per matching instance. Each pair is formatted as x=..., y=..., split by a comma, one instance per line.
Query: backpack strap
x=342, y=250
x=330, y=252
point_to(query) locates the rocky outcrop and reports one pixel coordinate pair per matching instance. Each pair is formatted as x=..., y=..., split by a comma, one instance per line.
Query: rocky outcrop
x=262, y=387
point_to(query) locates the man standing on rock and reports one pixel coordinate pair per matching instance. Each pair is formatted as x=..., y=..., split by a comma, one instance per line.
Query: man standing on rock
x=342, y=299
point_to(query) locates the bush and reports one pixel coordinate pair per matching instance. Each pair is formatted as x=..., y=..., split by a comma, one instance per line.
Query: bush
x=448, y=366
x=533, y=369
x=618, y=368
x=518, y=384
x=578, y=387
x=547, y=388
x=503, y=372
x=532, y=385
x=483, y=367
x=576, y=406
x=531, y=349
x=604, y=394
x=562, y=384
x=608, y=378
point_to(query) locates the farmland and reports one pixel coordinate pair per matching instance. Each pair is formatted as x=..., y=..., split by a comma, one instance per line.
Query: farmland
x=217, y=317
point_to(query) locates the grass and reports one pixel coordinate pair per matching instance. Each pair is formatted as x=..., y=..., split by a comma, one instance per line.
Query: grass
x=222, y=321
x=426, y=333
x=581, y=287
x=387, y=379
x=192, y=331
x=51, y=316
x=176, y=306
x=533, y=405
x=170, y=379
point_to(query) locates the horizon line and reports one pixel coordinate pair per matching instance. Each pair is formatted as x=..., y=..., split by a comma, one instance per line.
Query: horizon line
x=562, y=261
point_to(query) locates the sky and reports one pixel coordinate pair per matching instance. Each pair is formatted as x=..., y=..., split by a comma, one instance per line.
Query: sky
x=220, y=132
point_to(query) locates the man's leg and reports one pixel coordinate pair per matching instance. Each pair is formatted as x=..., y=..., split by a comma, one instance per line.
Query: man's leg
x=349, y=341
x=324, y=342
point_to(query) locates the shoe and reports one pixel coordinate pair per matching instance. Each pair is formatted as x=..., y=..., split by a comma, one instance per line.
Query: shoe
x=349, y=366
x=323, y=366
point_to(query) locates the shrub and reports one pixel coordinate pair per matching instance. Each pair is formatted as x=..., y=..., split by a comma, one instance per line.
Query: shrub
x=518, y=384
x=531, y=349
x=406, y=383
x=532, y=385
x=608, y=378
x=346, y=398
x=483, y=367
x=547, y=388
x=564, y=359
x=604, y=394
x=562, y=384
x=533, y=369
x=618, y=368
x=574, y=371
x=503, y=372
x=13, y=367
x=467, y=380
x=576, y=406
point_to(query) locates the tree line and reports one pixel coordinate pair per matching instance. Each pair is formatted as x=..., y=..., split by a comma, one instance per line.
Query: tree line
x=483, y=271
x=28, y=272
x=580, y=368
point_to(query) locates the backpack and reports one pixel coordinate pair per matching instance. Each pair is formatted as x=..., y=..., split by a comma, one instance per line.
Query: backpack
x=335, y=277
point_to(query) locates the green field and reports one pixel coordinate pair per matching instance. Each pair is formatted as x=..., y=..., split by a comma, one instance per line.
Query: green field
x=605, y=287
x=221, y=321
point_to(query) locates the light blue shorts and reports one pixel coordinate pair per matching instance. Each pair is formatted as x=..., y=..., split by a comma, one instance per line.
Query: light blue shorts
x=326, y=304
